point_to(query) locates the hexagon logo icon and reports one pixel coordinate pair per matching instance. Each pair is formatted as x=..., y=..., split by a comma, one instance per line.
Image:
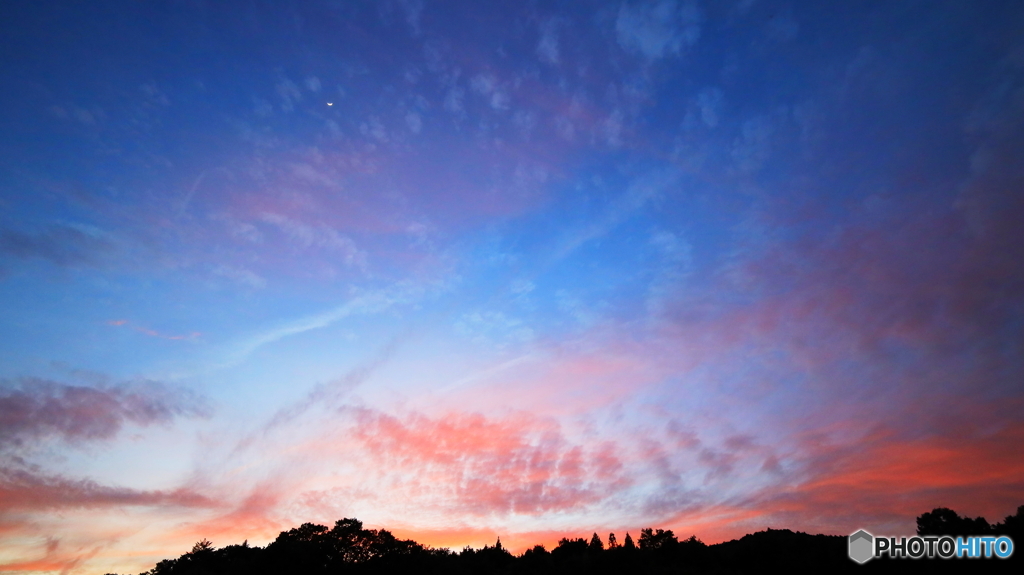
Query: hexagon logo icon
x=860, y=544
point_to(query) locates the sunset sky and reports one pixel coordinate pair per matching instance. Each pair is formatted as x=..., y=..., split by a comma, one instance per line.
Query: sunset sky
x=523, y=269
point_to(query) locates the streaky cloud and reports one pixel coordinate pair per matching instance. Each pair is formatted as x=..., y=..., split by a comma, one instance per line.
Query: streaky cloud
x=32, y=409
x=369, y=303
x=22, y=489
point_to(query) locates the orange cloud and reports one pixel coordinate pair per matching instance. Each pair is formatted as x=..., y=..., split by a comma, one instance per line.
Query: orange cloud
x=256, y=517
x=891, y=475
x=882, y=481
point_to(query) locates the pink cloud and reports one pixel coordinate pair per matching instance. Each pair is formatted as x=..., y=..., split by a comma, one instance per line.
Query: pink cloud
x=53, y=561
x=889, y=476
x=882, y=481
x=257, y=516
x=459, y=464
x=27, y=491
x=517, y=464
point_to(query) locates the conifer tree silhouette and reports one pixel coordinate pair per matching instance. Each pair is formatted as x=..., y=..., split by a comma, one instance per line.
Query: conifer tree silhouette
x=202, y=545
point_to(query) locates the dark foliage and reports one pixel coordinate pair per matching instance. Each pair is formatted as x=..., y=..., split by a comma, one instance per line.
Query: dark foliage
x=943, y=521
x=347, y=548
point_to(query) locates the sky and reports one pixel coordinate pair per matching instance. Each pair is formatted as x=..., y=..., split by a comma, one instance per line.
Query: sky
x=463, y=270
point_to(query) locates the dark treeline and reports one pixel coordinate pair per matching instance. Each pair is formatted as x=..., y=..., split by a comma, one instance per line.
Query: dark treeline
x=349, y=548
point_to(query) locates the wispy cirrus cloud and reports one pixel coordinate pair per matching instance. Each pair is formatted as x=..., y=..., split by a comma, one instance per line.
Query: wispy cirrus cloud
x=368, y=303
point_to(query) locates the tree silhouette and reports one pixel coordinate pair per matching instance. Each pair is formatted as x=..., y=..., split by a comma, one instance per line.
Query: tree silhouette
x=651, y=539
x=568, y=546
x=536, y=559
x=1013, y=526
x=945, y=521
x=201, y=546
x=349, y=549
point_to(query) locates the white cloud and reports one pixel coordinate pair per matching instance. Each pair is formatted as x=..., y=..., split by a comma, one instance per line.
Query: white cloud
x=241, y=275
x=494, y=327
x=413, y=10
x=487, y=84
x=752, y=147
x=261, y=107
x=525, y=122
x=319, y=236
x=521, y=286
x=312, y=175
x=613, y=129
x=642, y=191
x=85, y=116
x=243, y=230
x=500, y=100
x=565, y=128
x=366, y=304
x=675, y=265
x=782, y=28
x=453, y=100
x=289, y=93
x=657, y=29
x=374, y=128
x=414, y=122
x=575, y=308
x=154, y=93
x=483, y=83
x=710, y=103
x=547, y=48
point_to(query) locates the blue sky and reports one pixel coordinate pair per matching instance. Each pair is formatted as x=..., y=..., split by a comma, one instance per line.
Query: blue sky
x=464, y=270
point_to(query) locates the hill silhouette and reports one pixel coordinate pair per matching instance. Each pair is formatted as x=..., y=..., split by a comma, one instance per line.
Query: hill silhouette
x=348, y=548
